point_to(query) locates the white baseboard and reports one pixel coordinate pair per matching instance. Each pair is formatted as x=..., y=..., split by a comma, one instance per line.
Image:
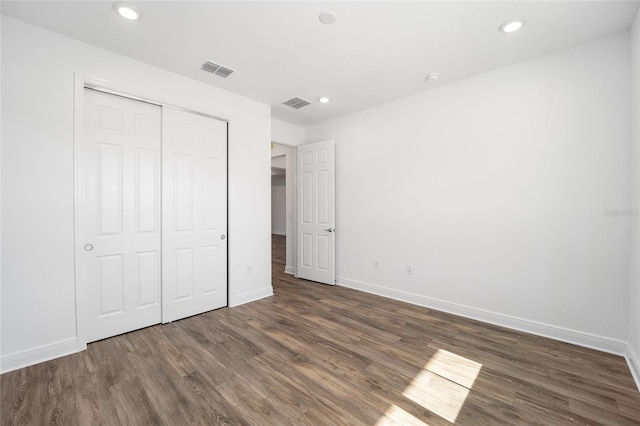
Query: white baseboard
x=250, y=296
x=575, y=337
x=38, y=354
x=289, y=270
x=634, y=365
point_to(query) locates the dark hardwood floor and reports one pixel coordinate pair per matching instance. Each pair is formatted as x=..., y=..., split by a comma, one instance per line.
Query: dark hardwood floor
x=321, y=355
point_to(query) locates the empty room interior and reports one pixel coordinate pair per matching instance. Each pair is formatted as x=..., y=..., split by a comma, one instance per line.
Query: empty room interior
x=320, y=212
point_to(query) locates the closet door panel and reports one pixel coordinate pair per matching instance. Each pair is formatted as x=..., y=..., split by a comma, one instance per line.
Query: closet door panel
x=194, y=199
x=120, y=214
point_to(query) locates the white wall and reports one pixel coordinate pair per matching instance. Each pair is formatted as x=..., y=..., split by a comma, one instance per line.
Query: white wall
x=495, y=189
x=634, y=296
x=279, y=162
x=278, y=205
x=289, y=153
x=38, y=293
x=286, y=133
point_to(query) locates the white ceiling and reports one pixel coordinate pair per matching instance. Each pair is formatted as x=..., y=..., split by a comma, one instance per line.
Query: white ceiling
x=375, y=52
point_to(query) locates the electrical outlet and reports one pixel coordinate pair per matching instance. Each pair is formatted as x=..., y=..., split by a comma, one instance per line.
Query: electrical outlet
x=410, y=269
x=376, y=264
x=249, y=269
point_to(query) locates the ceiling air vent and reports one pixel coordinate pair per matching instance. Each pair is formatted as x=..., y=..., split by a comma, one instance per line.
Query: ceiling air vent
x=297, y=103
x=216, y=69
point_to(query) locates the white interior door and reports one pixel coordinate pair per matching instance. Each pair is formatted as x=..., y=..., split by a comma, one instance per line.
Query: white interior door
x=316, y=212
x=120, y=213
x=194, y=223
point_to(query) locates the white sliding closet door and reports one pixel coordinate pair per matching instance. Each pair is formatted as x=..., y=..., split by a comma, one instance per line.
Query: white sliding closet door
x=194, y=206
x=120, y=213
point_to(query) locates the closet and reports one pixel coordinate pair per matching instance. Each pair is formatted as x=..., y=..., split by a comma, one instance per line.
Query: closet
x=153, y=212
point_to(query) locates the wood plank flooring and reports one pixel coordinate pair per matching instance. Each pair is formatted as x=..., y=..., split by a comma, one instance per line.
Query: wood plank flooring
x=320, y=355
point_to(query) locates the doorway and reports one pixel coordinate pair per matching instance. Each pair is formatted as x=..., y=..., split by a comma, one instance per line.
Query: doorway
x=279, y=212
x=283, y=158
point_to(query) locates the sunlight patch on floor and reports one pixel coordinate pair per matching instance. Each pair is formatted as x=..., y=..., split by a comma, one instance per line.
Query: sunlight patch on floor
x=444, y=384
x=454, y=367
x=397, y=416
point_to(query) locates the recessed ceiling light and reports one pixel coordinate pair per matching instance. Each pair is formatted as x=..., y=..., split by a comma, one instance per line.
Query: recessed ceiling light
x=432, y=77
x=512, y=25
x=328, y=17
x=126, y=11
x=323, y=99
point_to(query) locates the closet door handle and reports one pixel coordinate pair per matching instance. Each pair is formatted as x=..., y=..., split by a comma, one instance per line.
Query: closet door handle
x=222, y=237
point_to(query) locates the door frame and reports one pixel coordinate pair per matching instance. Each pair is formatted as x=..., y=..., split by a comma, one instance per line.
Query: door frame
x=81, y=82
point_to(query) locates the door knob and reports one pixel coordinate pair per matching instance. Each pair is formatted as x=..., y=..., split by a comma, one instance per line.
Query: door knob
x=222, y=237
x=88, y=247
x=329, y=229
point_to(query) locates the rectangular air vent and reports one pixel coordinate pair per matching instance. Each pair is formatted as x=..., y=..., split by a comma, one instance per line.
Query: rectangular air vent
x=216, y=69
x=297, y=103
